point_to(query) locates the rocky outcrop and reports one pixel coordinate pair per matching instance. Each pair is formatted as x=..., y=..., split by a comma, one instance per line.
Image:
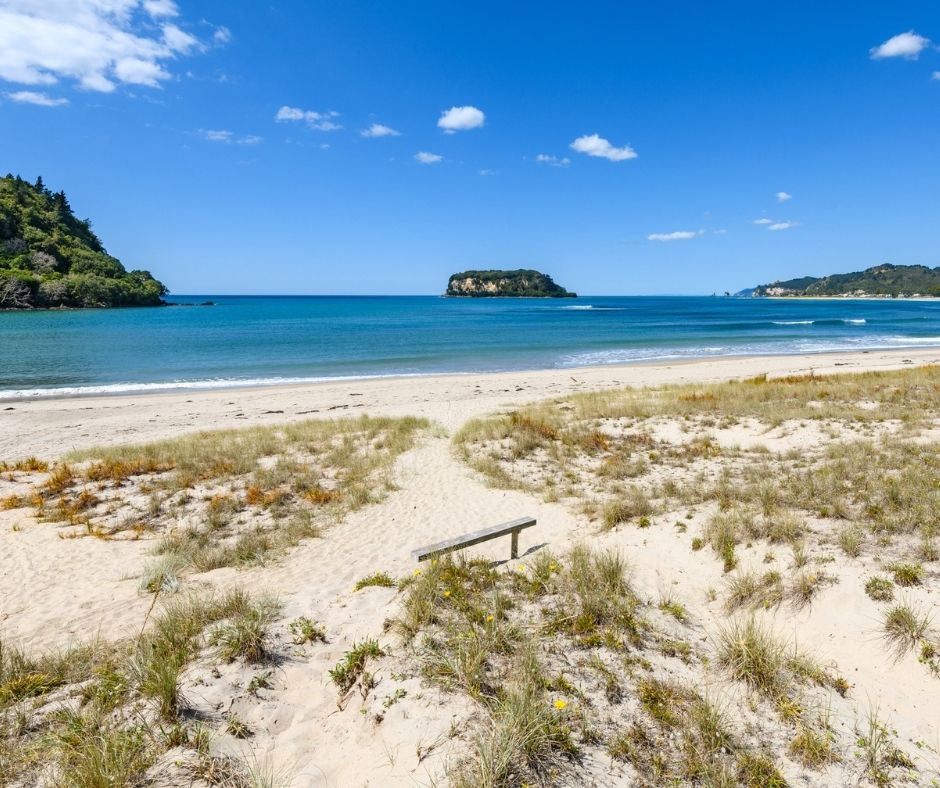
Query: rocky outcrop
x=519, y=283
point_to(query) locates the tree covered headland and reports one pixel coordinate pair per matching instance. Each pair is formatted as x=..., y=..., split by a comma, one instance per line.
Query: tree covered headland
x=51, y=258
x=880, y=280
x=519, y=283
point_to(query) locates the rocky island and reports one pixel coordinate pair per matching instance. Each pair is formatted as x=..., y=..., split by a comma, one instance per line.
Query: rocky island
x=51, y=258
x=519, y=283
x=881, y=280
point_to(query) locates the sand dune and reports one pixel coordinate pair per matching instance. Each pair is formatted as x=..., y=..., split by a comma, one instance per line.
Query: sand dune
x=54, y=590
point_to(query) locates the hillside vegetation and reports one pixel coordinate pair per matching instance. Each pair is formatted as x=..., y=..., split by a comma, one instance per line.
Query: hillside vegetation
x=520, y=283
x=887, y=280
x=51, y=258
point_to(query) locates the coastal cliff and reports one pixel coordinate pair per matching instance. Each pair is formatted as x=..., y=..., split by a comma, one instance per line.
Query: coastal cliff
x=51, y=258
x=519, y=283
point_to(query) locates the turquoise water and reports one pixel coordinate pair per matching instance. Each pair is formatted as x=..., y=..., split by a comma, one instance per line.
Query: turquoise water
x=252, y=340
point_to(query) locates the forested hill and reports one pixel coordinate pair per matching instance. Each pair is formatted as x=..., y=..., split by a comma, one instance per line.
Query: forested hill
x=519, y=283
x=51, y=258
x=881, y=280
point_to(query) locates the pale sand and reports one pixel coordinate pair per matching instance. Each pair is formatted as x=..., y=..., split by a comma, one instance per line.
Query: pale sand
x=53, y=590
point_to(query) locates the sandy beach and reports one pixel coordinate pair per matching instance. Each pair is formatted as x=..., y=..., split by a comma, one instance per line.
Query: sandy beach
x=50, y=427
x=55, y=590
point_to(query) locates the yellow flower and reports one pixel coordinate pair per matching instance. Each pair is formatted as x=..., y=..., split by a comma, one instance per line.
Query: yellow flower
x=489, y=617
x=521, y=567
x=553, y=567
x=447, y=593
x=560, y=704
x=416, y=572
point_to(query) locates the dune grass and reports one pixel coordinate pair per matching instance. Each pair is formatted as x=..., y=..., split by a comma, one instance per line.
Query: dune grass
x=131, y=706
x=226, y=497
x=751, y=653
x=861, y=485
x=553, y=652
x=906, y=625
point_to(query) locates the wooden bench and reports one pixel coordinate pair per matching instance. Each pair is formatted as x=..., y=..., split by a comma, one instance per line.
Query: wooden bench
x=459, y=542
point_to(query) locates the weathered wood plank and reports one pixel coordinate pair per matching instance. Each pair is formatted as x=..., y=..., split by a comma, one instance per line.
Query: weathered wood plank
x=475, y=537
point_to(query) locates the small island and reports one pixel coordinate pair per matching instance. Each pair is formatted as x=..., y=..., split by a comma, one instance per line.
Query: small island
x=519, y=283
x=896, y=281
x=50, y=258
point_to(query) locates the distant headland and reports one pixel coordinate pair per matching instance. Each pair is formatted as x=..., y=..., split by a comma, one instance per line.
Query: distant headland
x=50, y=258
x=519, y=283
x=897, y=281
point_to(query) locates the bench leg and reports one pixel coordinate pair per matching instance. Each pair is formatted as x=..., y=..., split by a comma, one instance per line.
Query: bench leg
x=514, y=549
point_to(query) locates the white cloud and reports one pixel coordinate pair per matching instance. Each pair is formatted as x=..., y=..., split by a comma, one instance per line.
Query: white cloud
x=214, y=135
x=228, y=137
x=783, y=196
x=678, y=235
x=222, y=35
x=720, y=232
x=159, y=8
x=378, y=130
x=552, y=161
x=39, y=99
x=487, y=172
x=320, y=121
x=782, y=225
x=935, y=75
x=96, y=43
x=907, y=45
x=428, y=158
x=460, y=119
x=763, y=221
x=136, y=71
x=594, y=145
x=179, y=40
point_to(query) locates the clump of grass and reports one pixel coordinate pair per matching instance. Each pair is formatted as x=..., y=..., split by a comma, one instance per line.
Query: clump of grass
x=752, y=654
x=880, y=589
x=95, y=754
x=245, y=635
x=235, y=726
x=811, y=747
x=675, y=609
x=379, y=579
x=346, y=672
x=749, y=652
x=23, y=676
x=162, y=575
x=26, y=465
x=907, y=574
x=635, y=505
x=757, y=770
x=305, y=630
x=157, y=666
x=524, y=734
x=725, y=530
x=806, y=586
x=905, y=626
x=850, y=540
x=749, y=589
x=879, y=753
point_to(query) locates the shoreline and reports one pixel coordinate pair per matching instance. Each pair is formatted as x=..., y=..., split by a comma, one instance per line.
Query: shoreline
x=51, y=426
x=112, y=390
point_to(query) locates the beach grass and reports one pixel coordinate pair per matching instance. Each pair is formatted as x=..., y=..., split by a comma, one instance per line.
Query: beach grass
x=810, y=463
x=221, y=498
x=552, y=650
x=130, y=706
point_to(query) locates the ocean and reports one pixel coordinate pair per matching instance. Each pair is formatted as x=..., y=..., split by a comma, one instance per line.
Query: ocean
x=259, y=340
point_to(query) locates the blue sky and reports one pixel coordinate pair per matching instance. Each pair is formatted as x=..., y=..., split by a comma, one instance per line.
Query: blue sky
x=620, y=147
